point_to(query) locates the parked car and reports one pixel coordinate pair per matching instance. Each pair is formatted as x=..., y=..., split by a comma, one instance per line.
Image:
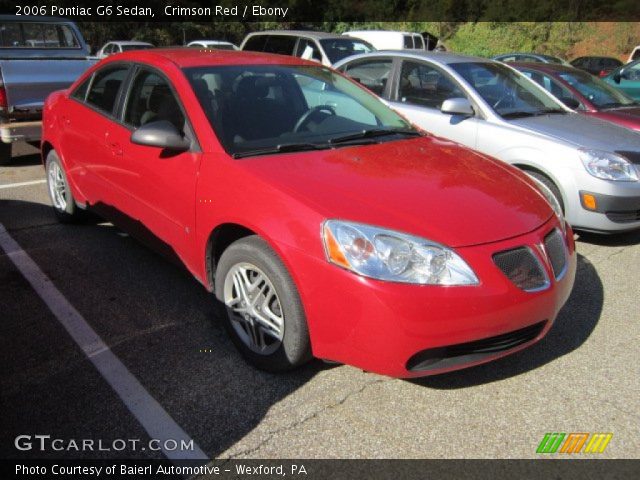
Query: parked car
x=585, y=93
x=635, y=55
x=318, y=46
x=213, y=44
x=627, y=79
x=529, y=57
x=324, y=223
x=598, y=66
x=122, y=46
x=37, y=56
x=590, y=165
x=390, y=40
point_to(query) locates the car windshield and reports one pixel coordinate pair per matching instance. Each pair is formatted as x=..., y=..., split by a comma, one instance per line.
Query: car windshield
x=260, y=109
x=339, y=48
x=508, y=92
x=141, y=46
x=600, y=93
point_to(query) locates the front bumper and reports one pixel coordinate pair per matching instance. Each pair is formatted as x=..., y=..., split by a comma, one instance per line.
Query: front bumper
x=21, y=131
x=624, y=211
x=382, y=326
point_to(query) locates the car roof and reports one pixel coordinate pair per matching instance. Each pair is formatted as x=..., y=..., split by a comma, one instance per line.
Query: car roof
x=443, y=58
x=394, y=32
x=546, y=67
x=299, y=33
x=191, y=57
x=212, y=41
x=129, y=42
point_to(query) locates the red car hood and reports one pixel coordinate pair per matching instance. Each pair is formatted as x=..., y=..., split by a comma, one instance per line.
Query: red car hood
x=627, y=117
x=427, y=187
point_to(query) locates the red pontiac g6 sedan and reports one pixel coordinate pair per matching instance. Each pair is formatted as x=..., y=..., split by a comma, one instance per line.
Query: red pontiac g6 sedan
x=323, y=221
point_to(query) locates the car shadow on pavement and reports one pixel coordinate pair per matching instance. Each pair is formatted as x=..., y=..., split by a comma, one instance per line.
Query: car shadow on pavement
x=155, y=317
x=613, y=240
x=574, y=324
x=25, y=156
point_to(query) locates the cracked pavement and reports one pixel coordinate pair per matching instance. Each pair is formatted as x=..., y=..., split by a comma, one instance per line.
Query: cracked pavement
x=583, y=377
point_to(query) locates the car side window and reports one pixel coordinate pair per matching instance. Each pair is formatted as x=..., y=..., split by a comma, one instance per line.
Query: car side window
x=106, y=86
x=151, y=99
x=426, y=86
x=373, y=74
x=308, y=50
x=636, y=54
x=255, y=43
x=408, y=41
x=631, y=73
x=280, y=44
x=80, y=93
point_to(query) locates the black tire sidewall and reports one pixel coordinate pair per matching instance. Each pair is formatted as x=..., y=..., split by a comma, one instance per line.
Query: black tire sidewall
x=295, y=349
x=550, y=185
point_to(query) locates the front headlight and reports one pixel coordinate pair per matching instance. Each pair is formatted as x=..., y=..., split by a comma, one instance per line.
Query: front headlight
x=393, y=256
x=551, y=198
x=608, y=166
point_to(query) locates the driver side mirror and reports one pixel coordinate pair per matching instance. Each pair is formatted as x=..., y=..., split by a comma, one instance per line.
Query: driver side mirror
x=457, y=106
x=161, y=134
x=618, y=76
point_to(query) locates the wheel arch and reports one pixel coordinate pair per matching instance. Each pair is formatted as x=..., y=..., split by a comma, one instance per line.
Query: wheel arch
x=526, y=167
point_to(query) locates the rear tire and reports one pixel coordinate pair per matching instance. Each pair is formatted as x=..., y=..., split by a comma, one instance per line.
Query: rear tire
x=64, y=205
x=263, y=312
x=549, y=184
x=5, y=153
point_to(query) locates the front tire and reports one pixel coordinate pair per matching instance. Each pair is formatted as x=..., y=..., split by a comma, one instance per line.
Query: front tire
x=64, y=205
x=547, y=182
x=5, y=153
x=263, y=312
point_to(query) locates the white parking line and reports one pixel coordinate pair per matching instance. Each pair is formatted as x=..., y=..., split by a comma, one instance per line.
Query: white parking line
x=21, y=184
x=155, y=420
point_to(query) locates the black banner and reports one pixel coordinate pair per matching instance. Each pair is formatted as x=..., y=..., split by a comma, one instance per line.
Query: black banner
x=543, y=469
x=301, y=11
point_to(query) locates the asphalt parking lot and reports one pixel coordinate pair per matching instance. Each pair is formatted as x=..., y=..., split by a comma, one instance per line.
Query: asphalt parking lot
x=161, y=324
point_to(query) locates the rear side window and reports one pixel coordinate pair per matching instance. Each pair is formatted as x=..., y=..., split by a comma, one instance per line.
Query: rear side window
x=373, y=74
x=419, y=42
x=408, y=41
x=280, y=44
x=37, y=35
x=308, y=50
x=255, y=43
x=151, y=100
x=105, y=88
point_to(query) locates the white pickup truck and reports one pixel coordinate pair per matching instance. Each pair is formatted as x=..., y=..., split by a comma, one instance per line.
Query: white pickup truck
x=38, y=55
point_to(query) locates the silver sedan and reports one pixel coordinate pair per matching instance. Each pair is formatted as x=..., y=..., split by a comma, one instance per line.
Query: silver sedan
x=591, y=166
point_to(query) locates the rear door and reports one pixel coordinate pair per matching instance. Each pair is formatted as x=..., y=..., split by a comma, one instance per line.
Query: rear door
x=87, y=124
x=418, y=94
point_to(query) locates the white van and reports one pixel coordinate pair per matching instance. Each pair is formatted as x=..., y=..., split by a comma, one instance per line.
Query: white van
x=635, y=55
x=389, y=40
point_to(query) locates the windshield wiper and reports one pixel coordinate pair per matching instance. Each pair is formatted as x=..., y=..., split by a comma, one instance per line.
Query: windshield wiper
x=282, y=148
x=532, y=113
x=376, y=132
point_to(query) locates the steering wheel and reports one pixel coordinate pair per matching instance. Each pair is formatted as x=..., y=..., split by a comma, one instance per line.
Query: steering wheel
x=508, y=96
x=306, y=116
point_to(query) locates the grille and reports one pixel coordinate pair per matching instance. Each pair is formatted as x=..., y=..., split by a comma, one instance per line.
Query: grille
x=624, y=217
x=554, y=245
x=522, y=267
x=443, y=357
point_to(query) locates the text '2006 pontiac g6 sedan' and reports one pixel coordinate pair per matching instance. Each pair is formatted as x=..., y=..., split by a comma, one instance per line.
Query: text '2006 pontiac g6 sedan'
x=324, y=223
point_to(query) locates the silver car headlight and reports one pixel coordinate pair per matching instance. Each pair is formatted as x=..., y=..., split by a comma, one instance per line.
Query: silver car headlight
x=553, y=201
x=608, y=166
x=393, y=256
